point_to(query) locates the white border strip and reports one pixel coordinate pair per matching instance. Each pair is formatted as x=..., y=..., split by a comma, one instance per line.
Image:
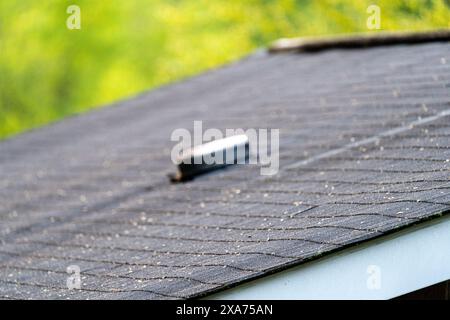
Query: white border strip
x=400, y=263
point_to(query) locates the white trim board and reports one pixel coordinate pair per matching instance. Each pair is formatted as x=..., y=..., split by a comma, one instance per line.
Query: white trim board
x=383, y=268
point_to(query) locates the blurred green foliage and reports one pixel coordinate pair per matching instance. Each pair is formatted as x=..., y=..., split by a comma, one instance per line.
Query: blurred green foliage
x=48, y=71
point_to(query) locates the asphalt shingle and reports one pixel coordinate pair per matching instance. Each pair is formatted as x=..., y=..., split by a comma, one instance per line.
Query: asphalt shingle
x=364, y=150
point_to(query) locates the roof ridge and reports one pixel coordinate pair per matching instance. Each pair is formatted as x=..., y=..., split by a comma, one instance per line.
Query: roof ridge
x=357, y=40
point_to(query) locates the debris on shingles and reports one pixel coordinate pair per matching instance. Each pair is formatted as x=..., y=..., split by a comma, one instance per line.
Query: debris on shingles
x=134, y=235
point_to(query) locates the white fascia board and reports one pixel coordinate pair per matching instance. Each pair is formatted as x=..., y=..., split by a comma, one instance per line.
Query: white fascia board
x=384, y=268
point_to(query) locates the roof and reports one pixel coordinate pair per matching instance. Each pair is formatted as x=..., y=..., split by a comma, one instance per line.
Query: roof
x=364, y=151
x=385, y=268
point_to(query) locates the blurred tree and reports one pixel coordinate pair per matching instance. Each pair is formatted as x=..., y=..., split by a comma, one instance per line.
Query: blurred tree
x=48, y=71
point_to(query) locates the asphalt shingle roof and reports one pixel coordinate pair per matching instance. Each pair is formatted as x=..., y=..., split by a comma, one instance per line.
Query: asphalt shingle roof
x=364, y=150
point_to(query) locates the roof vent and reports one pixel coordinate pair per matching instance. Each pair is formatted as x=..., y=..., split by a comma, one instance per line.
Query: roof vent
x=211, y=156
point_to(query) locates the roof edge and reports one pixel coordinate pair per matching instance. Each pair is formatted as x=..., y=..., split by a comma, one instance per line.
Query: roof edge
x=358, y=40
x=403, y=262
